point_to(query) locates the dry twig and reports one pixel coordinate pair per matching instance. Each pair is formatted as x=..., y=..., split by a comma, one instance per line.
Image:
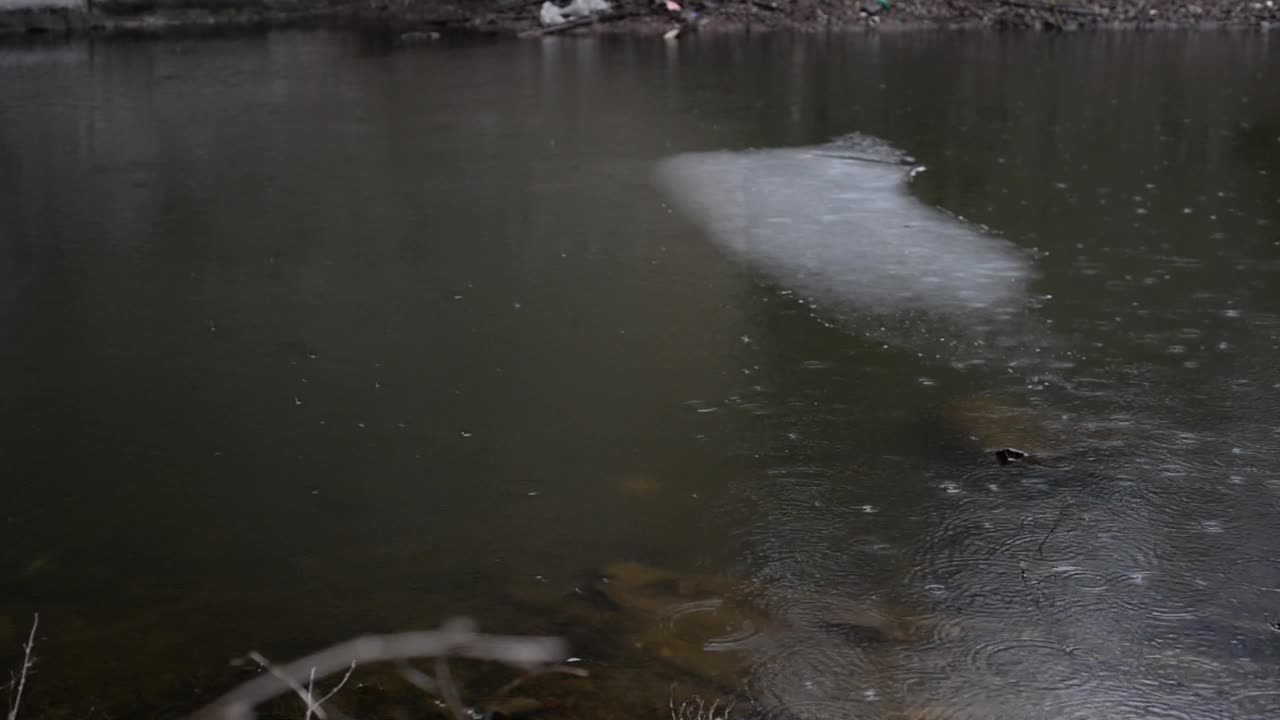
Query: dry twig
x=696, y=708
x=20, y=683
x=307, y=695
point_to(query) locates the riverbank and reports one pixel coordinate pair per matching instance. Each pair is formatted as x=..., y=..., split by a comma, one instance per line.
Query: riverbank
x=427, y=19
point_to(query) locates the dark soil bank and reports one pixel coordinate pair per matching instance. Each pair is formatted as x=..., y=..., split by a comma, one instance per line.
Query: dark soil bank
x=424, y=20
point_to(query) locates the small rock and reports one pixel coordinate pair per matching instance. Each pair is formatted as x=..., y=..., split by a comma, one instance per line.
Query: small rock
x=1009, y=455
x=417, y=38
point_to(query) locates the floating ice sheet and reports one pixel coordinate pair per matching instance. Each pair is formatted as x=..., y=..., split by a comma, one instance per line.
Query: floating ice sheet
x=838, y=224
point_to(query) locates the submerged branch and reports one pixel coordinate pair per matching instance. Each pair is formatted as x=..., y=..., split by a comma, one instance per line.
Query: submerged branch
x=444, y=680
x=506, y=689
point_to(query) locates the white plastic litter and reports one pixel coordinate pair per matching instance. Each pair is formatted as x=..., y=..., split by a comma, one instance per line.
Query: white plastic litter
x=582, y=8
x=552, y=14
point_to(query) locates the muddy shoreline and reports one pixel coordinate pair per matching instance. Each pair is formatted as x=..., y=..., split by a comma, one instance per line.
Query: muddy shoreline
x=428, y=20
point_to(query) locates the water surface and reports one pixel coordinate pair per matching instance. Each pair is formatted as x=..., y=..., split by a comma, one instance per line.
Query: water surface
x=301, y=337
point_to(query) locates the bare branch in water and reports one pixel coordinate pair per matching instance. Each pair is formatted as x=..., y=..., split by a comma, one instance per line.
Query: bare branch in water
x=289, y=682
x=1061, y=514
x=436, y=687
x=307, y=695
x=688, y=710
x=331, y=693
x=27, y=663
x=456, y=638
x=311, y=687
x=417, y=678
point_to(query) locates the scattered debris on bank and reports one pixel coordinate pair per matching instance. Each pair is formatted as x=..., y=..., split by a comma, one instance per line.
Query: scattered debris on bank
x=422, y=20
x=673, y=18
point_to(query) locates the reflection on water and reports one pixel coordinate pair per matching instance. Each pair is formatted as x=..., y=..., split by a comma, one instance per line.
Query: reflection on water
x=301, y=339
x=1038, y=587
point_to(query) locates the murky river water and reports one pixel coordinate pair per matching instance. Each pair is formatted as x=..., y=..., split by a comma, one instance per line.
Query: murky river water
x=302, y=337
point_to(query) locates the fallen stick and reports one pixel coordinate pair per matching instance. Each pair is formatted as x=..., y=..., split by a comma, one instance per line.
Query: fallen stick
x=1029, y=5
x=456, y=638
x=580, y=22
